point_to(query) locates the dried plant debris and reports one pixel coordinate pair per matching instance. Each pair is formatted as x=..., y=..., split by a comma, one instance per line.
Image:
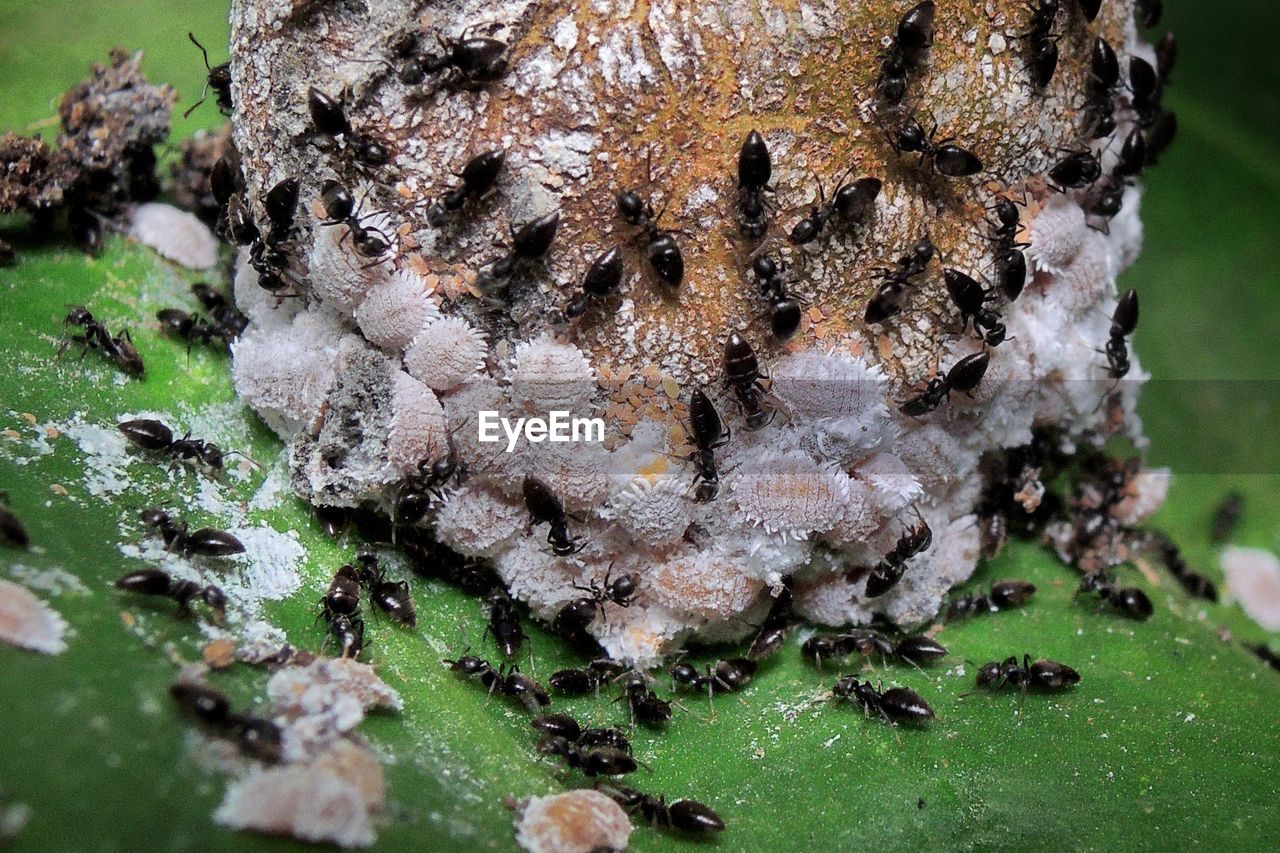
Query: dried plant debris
x=103, y=160
x=29, y=623
x=192, y=175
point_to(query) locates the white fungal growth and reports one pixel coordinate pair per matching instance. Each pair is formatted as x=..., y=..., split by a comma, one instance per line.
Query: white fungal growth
x=578, y=472
x=174, y=234
x=445, y=353
x=654, y=511
x=549, y=376
x=29, y=623
x=790, y=494
x=860, y=518
x=395, y=310
x=1146, y=493
x=417, y=433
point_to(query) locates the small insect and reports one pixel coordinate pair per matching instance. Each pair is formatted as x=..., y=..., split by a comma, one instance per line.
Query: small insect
x=13, y=532
x=528, y=243
x=504, y=623
x=516, y=685
x=572, y=621
x=1227, y=516
x=349, y=633
x=1090, y=9
x=1160, y=135
x=119, y=347
x=420, y=492
x=1011, y=264
x=575, y=681
x=340, y=208
x=726, y=676
x=602, y=280
x=192, y=328
x=709, y=433
x=269, y=251
x=913, y=36
x=611, y=736
x=391, y=597
x=1041, y=675
x=784, y=308
x=218, y=79
x=544, y=506
x=479, y=669
x=1129, y=600
x=557, y=725
x=662, y=250
x=915, y=649
x=254, y=736
x=470, y=58
x=972, y=298
x=329, y=119
x=1123, y=322
x=853, y=202
x=1147, y=13
x=159, y=582
x=342, y=598
x=478, y=177
x=620, y=591
x=597, y=761
x=963, y=376
x=946, y=157
x=742, y=375
x=645, y=705
x=1145, y=89
x=895, y=705
x=154, y=435
x=1043, y=43
x=754, y=170
x=205, y=542
x=888, y=299
x=1076, y=171
x=1194, y=583
x=1166, y=58
x=688, y=816
x=1003, y=595
x=886, y=573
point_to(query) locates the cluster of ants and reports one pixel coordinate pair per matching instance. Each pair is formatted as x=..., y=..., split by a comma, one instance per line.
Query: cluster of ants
x=340, y=606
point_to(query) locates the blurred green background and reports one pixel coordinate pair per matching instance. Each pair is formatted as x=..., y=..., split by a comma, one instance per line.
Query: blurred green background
x=1172, y=740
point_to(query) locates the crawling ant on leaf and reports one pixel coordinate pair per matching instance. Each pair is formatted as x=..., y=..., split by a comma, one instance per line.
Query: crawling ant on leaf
x=13, y=532
x=1003, y=595
x=160, y=582
x=256, y=737
x=154, y=435
x=528, y=243
x=340, y=208
x=895, y=705
x=1128, y=600
x=204, y=542
x=119, y=347
x=688, y=816
x=602, y=280
x=1041, y=675
x=784, y=307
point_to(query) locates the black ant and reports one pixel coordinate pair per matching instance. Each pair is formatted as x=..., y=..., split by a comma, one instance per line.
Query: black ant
x=645, y=705
x=218, y=79
x=477, y=668
x=709, y=434
x=914, y=34
x=1011, y=263
x=946, y=157
x=662, y=250
x=963, y=376
x=205, y=542
x=160, y=582
x=1104, y=75
x=1003, y=595
x=1044, y=43
x=602, y=280
x=472, y=58
x=726, y=676
x=596, y=761
x=915, y=649
x=1133, y=155
x=886, y=573
x=1041, y=675
x=895, y=705
x=1123, y=322
x=349, y=632
x=329, y=119
x=1147, y=13
x=773, y=631
x=888, y=299
x=257, y=737
x=268, y=252
x=688, y=816
x=478, y=176
x=391, y=597
x=1090, y=9
x=573, y=622
x=620, y=591
x=13, y=532
x=1263, y=653
x=1129, y=600
x=972, y=298
x=525, y=690
x=784, y=308
x=1076, y=171
x=528, y=243
x=1194, y=583
x=575, y=681
x=1145, y=90
x=754, y=170
x=742, y=375
x=119, y=348
x=1160, y=135
x=1166, y=58
x=421, y=491
x=154, y=435
x=544, y=506
x=342, y=598
x=193, y=328
x=1226, y=517
x=558, y=725
x=852, y=201
x=228, y=320
x=504, y=623
x=340, y=208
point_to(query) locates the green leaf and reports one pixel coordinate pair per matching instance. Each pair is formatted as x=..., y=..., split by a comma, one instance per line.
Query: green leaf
x=1171, y=738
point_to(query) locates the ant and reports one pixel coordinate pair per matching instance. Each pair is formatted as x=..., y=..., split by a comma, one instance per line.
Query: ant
x=1003, y=595
x=621, y=591
x=544, y=506
x=1166, y=58
x=1123, y=322
x=575, y=682
x=1147, y=13
x=895, y=705
x=888, y=298
x=504, y=623
x=594, y=761
x=525, y=690
x=193, y=328
x=558, y=725
x=852, y=201
x=478, y=176
x=420, y=491
x=1090, y=9
x=683, y=815
x=886, y=573
x=971, y=298
x=1041, y=675
x=754, y=170
x=229, y=320
x=709, y=433
x=602, y=280
x=784, y=308
x=1145, y=90
x=528, y=242
x=329, y=119
x=946, y=157
x=255, y=736
x=119, y=348
x=914, y=649
x=1263, y=652
x=340, y=209
x=474, y=667
x=1104, y=75
x=645, y=705
x=13, y=532
x=1043, y=42
x=914, y=34
x=160, y=582
x=662, y=250
x=742, y=375
x=1076, y=171
x=1011, y=263
x=773, y=631
x=727, y=676
x=268, y=253
x=1129, y=600
x=1194, y=583
x=218, y=79
x=154, y=435
x=349, y=632
x=472, y=58
x=342, y=598
x=205, y=542
x=391, y=597
x=1226, y=517
x=1133, y=155
x=963, y=376
x=572, y=621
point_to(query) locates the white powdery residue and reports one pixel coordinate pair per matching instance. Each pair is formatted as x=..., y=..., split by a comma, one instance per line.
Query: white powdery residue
x=54, y=580
x=565, y=35
x=269, y=570
x=276, y=484
x=622, y=59
x=1253, y=580
x=107, y=456
x=569, y=153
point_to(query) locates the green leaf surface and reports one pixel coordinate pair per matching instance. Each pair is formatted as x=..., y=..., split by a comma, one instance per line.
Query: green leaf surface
x=1172, y=738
